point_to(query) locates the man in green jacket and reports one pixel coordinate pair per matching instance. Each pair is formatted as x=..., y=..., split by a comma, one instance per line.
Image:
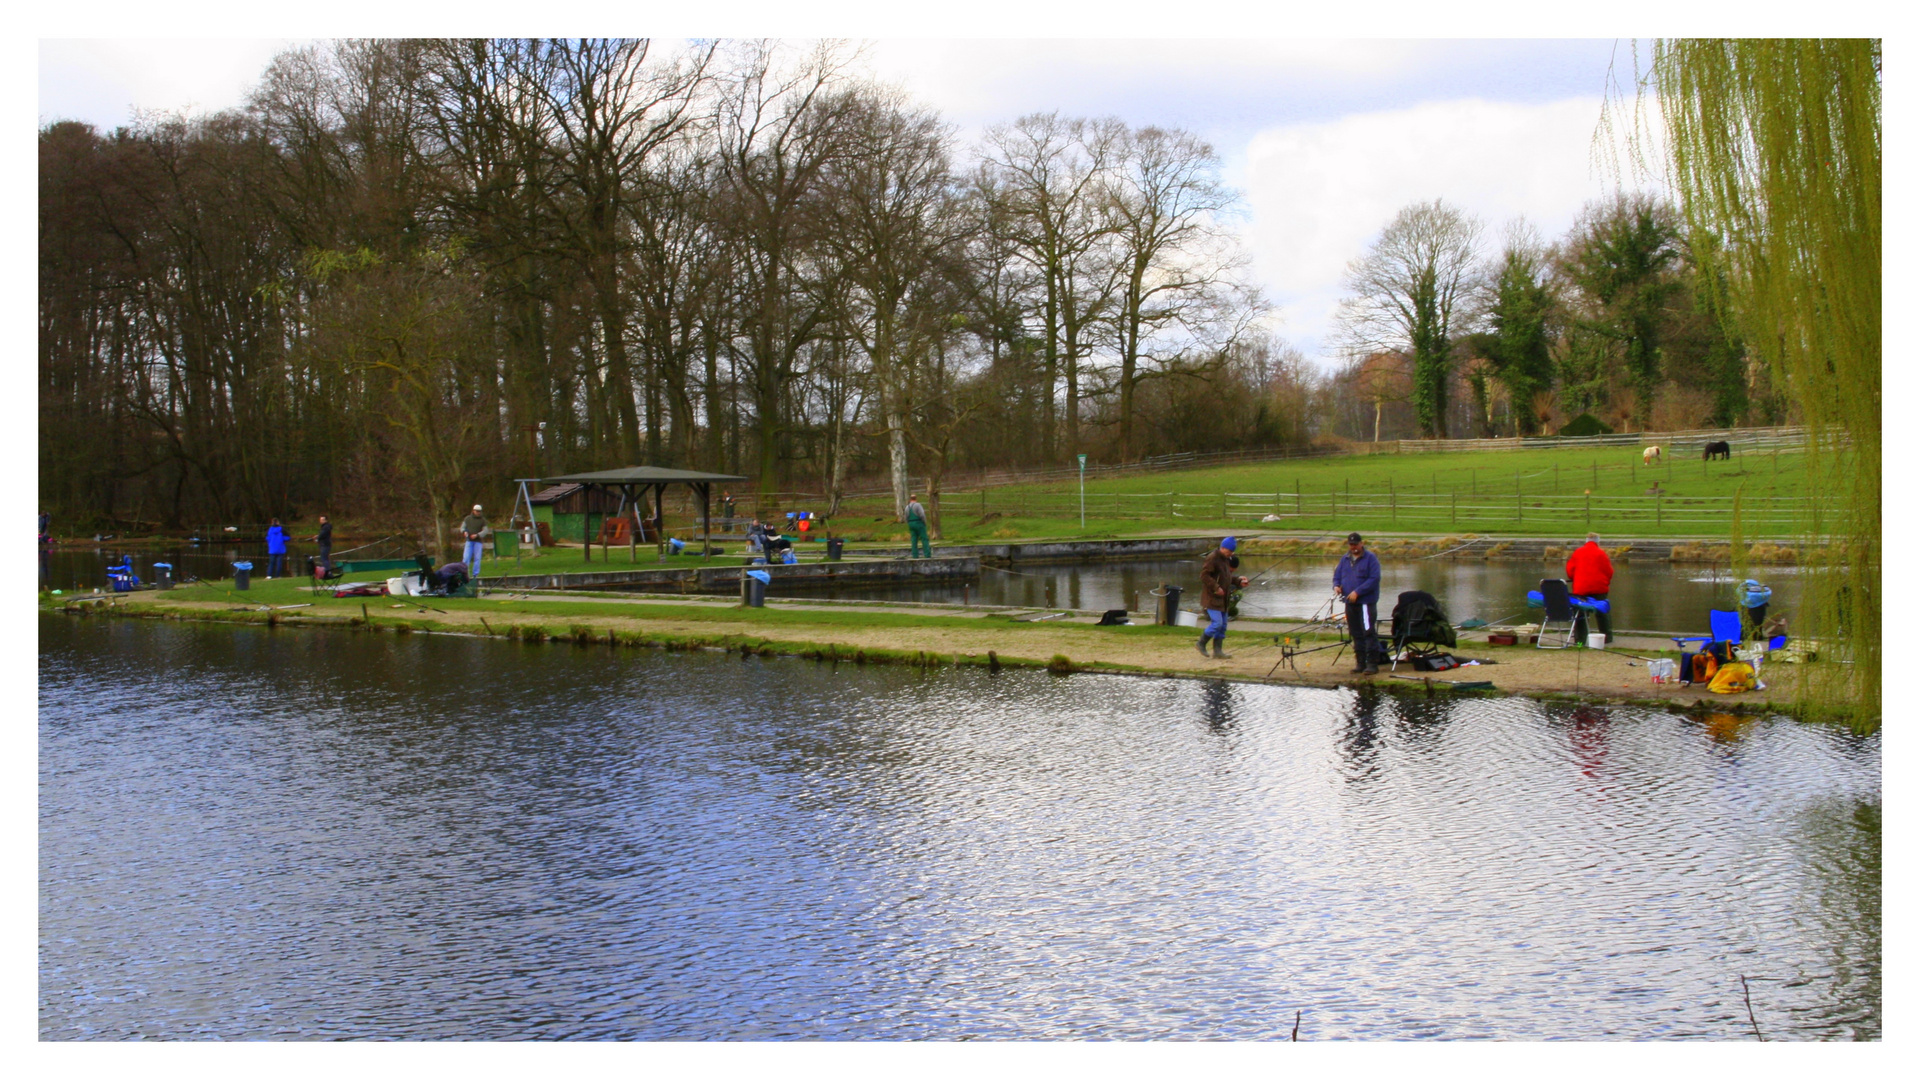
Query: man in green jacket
x=473, y=527
x=920, y=546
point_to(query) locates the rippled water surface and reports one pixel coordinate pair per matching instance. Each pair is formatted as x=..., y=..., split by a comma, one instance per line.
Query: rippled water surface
x=249, y=833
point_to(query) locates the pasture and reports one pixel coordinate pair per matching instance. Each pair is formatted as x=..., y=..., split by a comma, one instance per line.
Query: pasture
x=1532, y=492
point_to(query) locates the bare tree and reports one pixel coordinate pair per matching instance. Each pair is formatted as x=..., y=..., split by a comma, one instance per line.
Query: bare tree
x=1176, y=260
x=1047, y=175
x=895, y=226
x=1407, y=290
x=778, y=132
x=610, y=110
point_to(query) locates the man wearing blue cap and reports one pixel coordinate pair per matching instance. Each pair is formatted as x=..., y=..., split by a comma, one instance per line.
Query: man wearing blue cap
x=1356, y=579
x=1216, y=586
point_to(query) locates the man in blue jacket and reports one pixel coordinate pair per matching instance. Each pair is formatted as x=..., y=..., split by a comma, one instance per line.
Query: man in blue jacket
x=1357, y=579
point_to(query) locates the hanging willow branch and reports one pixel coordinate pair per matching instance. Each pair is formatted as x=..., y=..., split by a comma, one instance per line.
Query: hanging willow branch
x=1774, y=148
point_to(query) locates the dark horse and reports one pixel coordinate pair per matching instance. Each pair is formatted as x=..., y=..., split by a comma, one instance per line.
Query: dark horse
x=1717, y=450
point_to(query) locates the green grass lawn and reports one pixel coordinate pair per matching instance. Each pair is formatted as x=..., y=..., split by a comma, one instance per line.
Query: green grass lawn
x=1516, y=493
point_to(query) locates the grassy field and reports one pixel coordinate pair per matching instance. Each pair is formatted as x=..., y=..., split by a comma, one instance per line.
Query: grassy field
x=1550, y=492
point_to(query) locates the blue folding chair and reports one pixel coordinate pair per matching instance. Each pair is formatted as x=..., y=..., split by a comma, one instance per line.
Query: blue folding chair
x=1722, y=626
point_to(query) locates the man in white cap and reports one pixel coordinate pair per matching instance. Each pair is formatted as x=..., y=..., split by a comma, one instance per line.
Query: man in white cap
x=473, y=527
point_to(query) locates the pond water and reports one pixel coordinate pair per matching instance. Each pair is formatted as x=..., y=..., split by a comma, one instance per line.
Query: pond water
x=248, y=833
x=1645, y=596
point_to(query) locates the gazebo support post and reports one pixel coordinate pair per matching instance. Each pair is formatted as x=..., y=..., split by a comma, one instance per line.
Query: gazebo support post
x=660, y=519
x=706, y=520
x=629, y=498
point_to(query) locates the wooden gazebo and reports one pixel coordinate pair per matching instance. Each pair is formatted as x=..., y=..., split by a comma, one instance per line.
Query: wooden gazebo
x=633, y=485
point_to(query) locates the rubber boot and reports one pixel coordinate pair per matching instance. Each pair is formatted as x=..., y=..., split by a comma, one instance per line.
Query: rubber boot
x=1201, y=645
x=1219, y=650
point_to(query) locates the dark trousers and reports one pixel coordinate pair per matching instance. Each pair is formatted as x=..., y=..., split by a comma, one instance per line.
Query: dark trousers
x=326, y=558
x=1362, y=623
x=276, y=563
x=1756, y=618
x=1601, y=619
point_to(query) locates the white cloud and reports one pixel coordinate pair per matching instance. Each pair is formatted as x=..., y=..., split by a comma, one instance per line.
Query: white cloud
x=1321, y=192
x=103, y=80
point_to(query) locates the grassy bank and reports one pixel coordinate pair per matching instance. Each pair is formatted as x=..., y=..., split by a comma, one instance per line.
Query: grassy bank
x=923, y=637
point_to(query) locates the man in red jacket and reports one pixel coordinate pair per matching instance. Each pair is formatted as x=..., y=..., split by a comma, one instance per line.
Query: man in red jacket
x=1589, y=575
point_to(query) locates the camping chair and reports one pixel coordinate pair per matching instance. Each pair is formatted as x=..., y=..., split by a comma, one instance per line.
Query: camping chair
x=1417, y=618
x=1557, y=605
x=1721, y=626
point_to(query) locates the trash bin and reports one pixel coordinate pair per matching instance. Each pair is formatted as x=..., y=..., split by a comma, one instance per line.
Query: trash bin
x=757, y=581
x=162, y=575
x=506, y=543
x=242, y=575
x=676, y=545
x=834, y=548
x=1170, y=605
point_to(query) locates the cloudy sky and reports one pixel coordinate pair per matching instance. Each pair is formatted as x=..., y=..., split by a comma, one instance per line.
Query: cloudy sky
x=1325, y=137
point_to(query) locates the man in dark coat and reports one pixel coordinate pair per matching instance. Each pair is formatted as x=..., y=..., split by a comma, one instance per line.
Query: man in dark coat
x=325, y=539
x=1357, y=579
x=1217, y=583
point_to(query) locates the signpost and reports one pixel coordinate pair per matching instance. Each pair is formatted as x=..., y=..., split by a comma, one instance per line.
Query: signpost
x=1083, y=493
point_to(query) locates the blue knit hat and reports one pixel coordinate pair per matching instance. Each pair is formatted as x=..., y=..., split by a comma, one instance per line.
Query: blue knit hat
x=1230, y=543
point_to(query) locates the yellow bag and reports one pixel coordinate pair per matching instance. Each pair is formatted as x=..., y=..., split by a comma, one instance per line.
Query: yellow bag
x=1732, y=678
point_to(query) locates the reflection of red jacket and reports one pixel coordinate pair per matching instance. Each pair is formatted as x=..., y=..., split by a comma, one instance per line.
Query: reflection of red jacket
x=1589, y=571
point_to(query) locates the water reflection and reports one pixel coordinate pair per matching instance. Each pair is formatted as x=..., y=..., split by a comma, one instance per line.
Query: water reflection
x=268, y=834
x=1217, y=707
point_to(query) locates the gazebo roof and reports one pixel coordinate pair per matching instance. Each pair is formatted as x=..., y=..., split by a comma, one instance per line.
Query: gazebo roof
x=643, y=474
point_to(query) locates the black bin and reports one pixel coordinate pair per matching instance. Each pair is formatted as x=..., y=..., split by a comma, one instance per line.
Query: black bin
x=756, y=592
x=834, y=547
x=1170, y=605
x=162, y=575
x=242, y=575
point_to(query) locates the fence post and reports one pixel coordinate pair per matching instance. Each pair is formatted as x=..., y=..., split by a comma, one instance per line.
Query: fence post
x=1455, y=496
x=1658, y=496
x=1296, y=496
x=1589, y=509
x=1393, y=506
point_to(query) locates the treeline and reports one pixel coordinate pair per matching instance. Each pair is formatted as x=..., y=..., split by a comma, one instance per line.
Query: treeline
x=408, y=270
x=1624, y=320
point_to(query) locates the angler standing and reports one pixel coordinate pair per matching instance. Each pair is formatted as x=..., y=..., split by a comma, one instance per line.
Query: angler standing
x=474, y=528
x=920, y=547
x=1217, y=583
x=1357, y=579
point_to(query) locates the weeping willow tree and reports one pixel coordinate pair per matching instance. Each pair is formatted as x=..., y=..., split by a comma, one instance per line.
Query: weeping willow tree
x=1774, y=148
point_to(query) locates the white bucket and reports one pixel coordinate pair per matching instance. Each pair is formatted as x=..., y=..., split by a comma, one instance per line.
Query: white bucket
x=1185, y=618
x=396, y=586
x=1596, y=641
